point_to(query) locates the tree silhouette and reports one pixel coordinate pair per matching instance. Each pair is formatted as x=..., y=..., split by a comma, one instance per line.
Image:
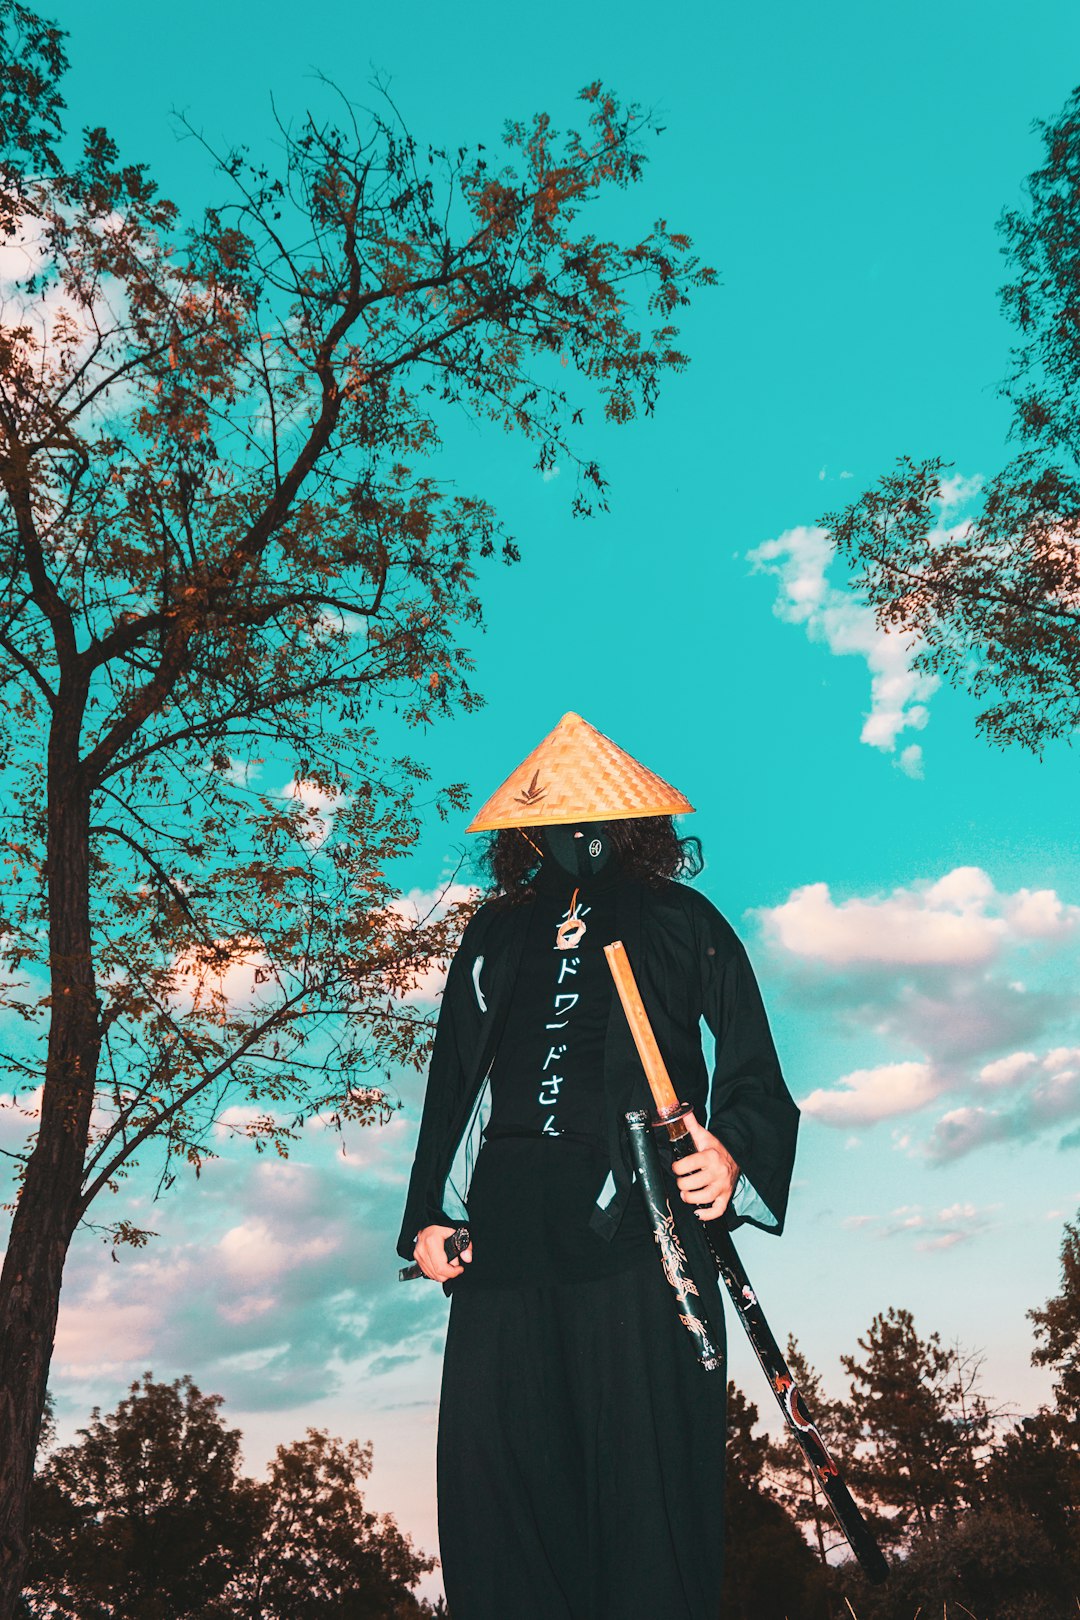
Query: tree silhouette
x=918, y=1424
x=321, y=1554
x=995, y=602
x=1057, y=1330
x=223, y=542
x=147, y=1517
x=1035, y=1470
x=144, y=1514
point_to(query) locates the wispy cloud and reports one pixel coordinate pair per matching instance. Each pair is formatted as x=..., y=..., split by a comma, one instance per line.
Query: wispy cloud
x=961, y=983
x=929, y=1230
x=801, y=560
x=1028, y=1095
x=267, y=1283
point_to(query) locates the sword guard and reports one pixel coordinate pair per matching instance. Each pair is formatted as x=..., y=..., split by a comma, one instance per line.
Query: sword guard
x=673, y=1132
x=660, y=1121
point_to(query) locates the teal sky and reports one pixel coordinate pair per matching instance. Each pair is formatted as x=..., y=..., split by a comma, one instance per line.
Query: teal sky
x=843, y=167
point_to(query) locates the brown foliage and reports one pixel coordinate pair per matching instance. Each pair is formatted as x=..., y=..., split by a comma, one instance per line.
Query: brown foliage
x=223, y=545
x=993, y=603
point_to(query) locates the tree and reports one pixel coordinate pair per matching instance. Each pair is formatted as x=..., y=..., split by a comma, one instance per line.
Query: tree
x=1033, y=1473
x=1057, y=1330
x=918, y=1423
x=140, y=1515
x=321, y=1554
x=991, y=1563
x=147, y=1517
x=222, y=540
x=769, y=1571
x=994, y=603
x=1035, y=1470
x=791, y=1480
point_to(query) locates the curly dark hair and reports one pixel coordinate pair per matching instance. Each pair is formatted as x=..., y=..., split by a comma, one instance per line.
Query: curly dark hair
x=646, y=847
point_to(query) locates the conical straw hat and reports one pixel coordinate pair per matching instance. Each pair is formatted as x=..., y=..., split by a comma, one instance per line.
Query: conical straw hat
x=577, y=774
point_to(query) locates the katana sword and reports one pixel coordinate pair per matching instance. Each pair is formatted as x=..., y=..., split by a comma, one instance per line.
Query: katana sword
x=694, y=1312
x=671, y=1118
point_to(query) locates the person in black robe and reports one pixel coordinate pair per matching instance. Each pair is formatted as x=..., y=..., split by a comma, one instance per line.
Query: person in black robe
x=581, y=1443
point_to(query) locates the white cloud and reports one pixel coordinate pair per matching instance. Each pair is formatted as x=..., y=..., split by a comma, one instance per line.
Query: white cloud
x=269, y=1280
x=910, y=761
x=800, y=559
x=868, y=1095
x=947, y=922
x=962, y=1129
x=97, y=1332
x=956, y=492
x=231, y=975
x=929, y=970
x=54, y=324
x=1040, y=914
x=238, y=772
x=1007, y=1071
x=252, y=1253
x=19, y=1115
x=959, y=920
x=1032, y=1095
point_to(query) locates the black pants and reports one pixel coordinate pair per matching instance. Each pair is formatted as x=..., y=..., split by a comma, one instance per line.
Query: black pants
x=581, y=1455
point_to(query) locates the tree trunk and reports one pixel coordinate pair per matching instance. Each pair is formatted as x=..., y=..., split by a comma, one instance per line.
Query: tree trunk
x=47, y=1211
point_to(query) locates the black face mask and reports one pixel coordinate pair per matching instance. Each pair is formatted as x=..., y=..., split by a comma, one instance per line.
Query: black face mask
x=582, y=851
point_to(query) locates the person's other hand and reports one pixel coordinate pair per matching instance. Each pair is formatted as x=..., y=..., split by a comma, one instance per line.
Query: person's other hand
x=707, y=1176
x=430, y=1254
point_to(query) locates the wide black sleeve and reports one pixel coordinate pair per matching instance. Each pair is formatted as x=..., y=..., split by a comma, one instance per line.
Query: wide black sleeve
x=750, y=1107
x=453, y=1055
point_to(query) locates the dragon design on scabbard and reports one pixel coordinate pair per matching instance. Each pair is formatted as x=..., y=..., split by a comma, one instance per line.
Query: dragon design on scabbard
x=787, y=1392
x=691, y=1308
x=673, y=1256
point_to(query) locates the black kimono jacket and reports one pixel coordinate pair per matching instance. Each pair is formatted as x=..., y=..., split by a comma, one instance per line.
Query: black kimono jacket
x=689, y=964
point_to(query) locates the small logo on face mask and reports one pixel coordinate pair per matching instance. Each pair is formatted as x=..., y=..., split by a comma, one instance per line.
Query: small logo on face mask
x=595, y=848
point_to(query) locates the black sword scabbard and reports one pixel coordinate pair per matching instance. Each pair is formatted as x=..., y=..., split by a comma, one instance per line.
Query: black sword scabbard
x=716, y=1243
x=692, y=1309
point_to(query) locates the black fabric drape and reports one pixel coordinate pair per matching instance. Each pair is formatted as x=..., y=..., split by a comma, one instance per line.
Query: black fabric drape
x=689, y=965
x=580, y=1455
x=581, y=1444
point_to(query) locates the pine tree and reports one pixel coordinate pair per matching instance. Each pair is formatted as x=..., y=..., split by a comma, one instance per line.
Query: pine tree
x=1057, y=1327
x=918, y=1423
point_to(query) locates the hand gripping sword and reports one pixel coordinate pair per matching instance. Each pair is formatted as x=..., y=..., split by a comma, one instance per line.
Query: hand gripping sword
x=671, y=1116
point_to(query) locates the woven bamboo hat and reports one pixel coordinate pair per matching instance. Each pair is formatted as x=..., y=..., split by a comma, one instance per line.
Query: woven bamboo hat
x=577, y=774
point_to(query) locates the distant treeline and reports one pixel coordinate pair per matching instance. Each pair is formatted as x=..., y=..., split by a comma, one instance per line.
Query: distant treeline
x=978, y=1509
x=148, y=1516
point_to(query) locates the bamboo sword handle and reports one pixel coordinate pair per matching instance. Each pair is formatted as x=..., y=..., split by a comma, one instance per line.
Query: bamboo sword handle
x=664, y=1094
